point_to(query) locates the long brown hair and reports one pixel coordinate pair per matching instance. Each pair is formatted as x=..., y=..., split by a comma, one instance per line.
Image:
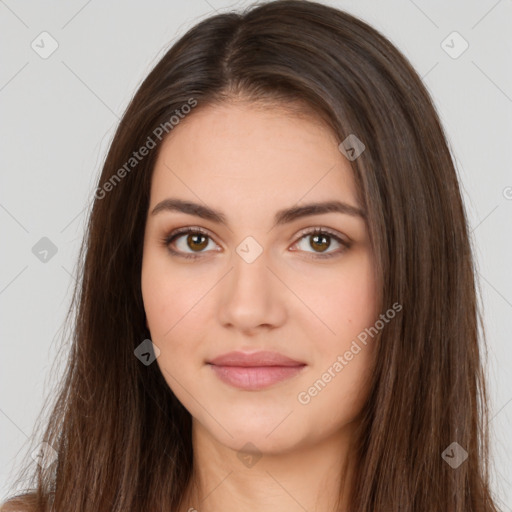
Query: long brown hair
x=123, y=440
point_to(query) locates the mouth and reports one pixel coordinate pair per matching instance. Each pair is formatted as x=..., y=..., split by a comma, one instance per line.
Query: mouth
x=253, y=378
x=255, y=371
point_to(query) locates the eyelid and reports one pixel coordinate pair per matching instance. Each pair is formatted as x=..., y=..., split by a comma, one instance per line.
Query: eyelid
x=188, y=229
x=336, y=234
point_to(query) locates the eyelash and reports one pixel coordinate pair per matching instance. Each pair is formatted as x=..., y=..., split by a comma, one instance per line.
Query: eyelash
x=167, y=240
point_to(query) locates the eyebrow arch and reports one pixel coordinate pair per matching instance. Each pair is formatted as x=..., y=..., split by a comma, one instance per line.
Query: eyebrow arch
x=281, y=217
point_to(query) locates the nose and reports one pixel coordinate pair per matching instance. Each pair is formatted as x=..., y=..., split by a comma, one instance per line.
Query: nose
x=252, y=295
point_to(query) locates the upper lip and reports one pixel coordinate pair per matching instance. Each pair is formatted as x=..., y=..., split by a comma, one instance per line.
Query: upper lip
x=263, y=358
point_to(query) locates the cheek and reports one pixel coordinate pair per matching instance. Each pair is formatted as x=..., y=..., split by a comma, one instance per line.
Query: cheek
x=337, y=385
x=156, y=298
x=345, y=304
x=169, y=296
x=342, y=299
x=174, y=300
x=168, y=303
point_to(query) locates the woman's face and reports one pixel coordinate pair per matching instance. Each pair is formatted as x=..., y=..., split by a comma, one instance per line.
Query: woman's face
x=258, y=279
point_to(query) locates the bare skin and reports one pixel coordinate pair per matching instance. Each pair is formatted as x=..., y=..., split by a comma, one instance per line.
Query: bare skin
x=248, y=164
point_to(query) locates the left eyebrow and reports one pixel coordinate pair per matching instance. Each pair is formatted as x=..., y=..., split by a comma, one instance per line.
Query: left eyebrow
x=296, y=212
x=284, y=216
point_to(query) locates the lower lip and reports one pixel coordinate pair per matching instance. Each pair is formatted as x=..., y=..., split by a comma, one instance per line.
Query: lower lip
x=255, y=377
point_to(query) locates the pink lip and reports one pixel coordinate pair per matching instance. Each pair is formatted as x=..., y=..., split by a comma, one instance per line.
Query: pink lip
x=263, y=358
x=254, y=371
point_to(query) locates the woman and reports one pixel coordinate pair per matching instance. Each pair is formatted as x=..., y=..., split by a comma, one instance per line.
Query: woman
x=277, y=308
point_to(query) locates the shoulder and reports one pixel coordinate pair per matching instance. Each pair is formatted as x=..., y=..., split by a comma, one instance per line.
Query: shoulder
x=24, y=503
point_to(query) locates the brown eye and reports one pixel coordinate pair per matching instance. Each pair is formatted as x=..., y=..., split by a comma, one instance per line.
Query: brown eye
x=195, y=241
x=320, y=240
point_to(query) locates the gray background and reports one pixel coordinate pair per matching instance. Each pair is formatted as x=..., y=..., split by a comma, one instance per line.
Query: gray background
x=59, y=113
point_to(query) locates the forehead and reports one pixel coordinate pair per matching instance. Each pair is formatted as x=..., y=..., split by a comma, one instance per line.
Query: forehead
x=241, y=155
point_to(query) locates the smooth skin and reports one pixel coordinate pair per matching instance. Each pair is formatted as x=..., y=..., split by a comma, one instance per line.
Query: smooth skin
x=248, y=163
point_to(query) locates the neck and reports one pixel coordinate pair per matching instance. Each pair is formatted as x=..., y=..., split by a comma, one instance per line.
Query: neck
x=315, y=477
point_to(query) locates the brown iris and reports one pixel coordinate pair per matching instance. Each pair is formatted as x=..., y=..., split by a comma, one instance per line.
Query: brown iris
x=193, y=239
x=315, y=244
